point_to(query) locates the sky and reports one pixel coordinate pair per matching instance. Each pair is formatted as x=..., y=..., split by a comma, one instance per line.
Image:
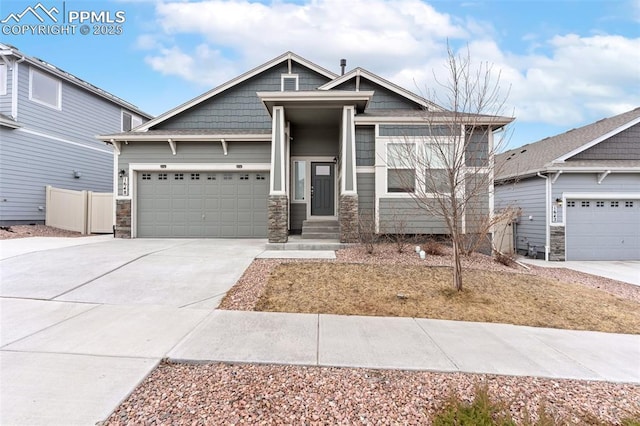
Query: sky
x=559, y=64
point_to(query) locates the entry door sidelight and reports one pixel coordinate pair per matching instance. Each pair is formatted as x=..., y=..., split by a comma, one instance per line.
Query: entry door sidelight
x=323, y=189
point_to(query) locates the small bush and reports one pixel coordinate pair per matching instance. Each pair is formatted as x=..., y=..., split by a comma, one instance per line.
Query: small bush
x=433, y=248
x=367, y=232
x=481, y=412
x=504, y=259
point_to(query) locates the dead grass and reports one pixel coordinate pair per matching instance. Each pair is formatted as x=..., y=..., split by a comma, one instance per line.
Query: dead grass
x=489, y=296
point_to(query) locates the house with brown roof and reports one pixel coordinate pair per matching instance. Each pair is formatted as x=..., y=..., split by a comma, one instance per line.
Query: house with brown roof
x=579, y=192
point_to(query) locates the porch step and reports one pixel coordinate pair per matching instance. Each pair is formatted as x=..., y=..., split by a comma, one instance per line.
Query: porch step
x=320, y=230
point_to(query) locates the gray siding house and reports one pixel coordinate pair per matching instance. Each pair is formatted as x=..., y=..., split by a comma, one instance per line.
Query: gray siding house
x=48, y=123
x=274, y=151
x=579, y=192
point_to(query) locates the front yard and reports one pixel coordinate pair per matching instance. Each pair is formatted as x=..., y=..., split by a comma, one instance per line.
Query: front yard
x=391, y=284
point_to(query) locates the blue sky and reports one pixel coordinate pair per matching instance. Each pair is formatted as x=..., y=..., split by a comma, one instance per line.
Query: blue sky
x=562, y=64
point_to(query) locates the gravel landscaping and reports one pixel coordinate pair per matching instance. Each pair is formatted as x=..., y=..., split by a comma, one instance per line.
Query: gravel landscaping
x=25, y=231
x=186, y=394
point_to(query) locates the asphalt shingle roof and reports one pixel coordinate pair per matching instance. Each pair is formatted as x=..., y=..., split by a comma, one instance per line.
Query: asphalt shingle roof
x=535, y=157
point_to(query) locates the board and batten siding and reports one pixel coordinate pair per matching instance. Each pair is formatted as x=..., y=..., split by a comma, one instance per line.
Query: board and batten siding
x=588, y=183
x=239, y=107
x=82, y=116
x=192, y=152
x=528, y=195
x=29, y=163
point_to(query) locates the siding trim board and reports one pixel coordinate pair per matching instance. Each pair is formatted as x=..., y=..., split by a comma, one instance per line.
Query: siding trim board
x=57, y=139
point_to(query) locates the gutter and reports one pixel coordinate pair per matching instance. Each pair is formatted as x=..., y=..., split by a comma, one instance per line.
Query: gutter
x=547, y=231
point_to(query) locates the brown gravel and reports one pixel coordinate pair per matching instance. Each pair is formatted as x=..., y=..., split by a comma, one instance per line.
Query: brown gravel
x=25, y=231
x=207, y=394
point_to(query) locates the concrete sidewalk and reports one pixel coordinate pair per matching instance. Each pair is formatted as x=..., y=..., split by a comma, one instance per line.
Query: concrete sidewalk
x=412, y=344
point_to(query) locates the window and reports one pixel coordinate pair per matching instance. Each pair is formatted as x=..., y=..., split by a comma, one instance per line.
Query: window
x=289, y=82
x=178, y=176
x=571, y=203
x=195, y=176
x=401, y=174
x=146, y=176
x=162, y=176
x=130, y=121
x=439, y=161
x=227, y=176
x=211, y=176
x=260, y=177
x=299, y=180
x=599, y=203
x=44, y=89
x=244, y=177
x=614, y=204
x=3, y=79
x=628, y=203
x=584, y=204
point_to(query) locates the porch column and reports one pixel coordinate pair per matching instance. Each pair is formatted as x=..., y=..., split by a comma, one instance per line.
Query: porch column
x=278, y=204
x=348, y=210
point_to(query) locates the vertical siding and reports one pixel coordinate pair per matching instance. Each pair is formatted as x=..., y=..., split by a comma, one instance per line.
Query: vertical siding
x=529, y=195
x=315, y=140
x=365, y=146
x=366, y=193
x=28, y=163
x=239, y=107
x=623, y=146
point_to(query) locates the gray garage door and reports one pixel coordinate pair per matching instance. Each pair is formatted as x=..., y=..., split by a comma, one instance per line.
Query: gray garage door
x=202, y=204
x=603, y=229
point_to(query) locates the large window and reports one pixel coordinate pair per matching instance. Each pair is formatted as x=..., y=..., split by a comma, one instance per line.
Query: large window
x=299, y=175
x=130, y=121
x=401, y=172
x=439, y=159
x=44, y=89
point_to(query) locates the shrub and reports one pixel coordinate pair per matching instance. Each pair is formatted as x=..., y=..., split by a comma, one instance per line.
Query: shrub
x=504, y=259
x=481, y=412
x=433, y=248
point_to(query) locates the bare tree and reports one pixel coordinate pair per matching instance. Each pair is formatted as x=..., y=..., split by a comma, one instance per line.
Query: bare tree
x=448, y=169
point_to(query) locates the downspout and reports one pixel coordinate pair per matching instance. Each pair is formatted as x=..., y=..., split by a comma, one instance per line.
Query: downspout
x=547, y=230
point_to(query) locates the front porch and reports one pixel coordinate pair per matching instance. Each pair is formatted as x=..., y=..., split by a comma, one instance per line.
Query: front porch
x=313, y=164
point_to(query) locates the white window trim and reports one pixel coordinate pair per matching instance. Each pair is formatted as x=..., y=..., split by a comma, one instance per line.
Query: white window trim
x=134, y=117
x=4, y=73
x=59, y=105
x=285, y=76
x=294, y=200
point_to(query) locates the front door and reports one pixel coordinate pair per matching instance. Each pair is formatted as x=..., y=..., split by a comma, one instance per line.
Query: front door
x=322, y=189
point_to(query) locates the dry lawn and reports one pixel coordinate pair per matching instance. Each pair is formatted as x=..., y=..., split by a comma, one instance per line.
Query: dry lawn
x=489, y=296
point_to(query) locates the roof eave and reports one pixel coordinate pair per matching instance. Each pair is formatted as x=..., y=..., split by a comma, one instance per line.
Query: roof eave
x=155, y=137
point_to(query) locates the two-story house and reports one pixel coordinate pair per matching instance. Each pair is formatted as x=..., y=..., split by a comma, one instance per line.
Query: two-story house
x=48, y=123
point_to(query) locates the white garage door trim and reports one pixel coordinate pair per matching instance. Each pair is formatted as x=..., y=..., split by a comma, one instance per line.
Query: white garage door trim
x=604, y=199
x=135, y=168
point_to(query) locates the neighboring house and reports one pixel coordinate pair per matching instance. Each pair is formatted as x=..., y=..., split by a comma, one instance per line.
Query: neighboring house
x=579, y=192
x=48, y=123
x=275, y=151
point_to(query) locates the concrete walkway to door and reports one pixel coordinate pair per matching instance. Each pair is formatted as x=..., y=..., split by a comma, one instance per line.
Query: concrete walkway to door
x=83, y=325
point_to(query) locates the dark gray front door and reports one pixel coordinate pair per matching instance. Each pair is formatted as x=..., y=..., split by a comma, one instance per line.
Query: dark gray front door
x=322, y=189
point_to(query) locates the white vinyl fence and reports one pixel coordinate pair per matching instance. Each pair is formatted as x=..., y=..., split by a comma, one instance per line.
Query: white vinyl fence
x=86, y=212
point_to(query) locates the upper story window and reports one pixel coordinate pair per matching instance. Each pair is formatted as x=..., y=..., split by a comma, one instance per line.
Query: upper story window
x=3, y=79
x=289, y=82
x=45, y=89
x=130, y=121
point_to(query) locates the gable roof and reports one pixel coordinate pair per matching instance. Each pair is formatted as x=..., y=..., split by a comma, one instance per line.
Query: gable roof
x=235, y=81
x=7, y=50
x=357, y=72
x=553, y=151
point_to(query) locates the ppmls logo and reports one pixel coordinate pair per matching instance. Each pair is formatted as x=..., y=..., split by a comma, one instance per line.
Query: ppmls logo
x=60, y=20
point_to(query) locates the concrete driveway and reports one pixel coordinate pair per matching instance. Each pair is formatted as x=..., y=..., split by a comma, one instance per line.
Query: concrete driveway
x=621, y=270
x=94, y=316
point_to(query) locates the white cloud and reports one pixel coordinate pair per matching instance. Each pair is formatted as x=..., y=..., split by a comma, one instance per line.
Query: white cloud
x=577, y=78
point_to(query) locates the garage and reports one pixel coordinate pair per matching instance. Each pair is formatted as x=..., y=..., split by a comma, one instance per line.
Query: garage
x=202, y=204
x=602, y=229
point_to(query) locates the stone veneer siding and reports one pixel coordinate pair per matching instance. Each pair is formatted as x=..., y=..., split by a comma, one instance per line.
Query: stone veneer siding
x=556, y=251
x=123, y=219
x=348, y=218
x=278, y=218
